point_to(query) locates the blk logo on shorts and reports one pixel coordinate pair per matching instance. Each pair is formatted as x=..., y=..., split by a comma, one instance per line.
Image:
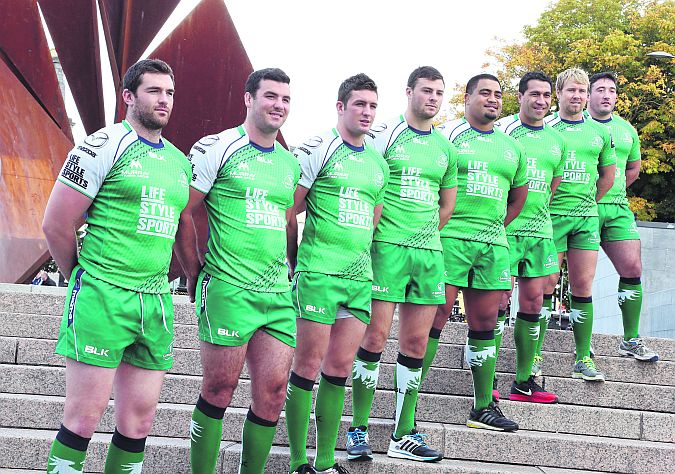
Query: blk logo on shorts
x=227, y=332
x=96, y=351
x=380, y=289
x=313, y=309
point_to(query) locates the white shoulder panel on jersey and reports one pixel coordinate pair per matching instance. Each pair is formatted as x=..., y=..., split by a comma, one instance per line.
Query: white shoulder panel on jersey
x=313, y=155
x=508, y=124
x=209, y=155
x=552, y=119
x=452, y=129
x=383, y=134
x=90, y=161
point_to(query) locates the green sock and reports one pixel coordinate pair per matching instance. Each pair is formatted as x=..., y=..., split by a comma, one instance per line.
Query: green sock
x=480, y=354
x=432, y=348
x=68, y=452
x=298, y=408
x=526, y=335
x=206, y=430
x=256, y=442
x=407, y=381
x=581, y=315
x=364, y=382
x=124, y=454
x=330, y=400
x=544, y=318
x=499, y=330
x=630, y=302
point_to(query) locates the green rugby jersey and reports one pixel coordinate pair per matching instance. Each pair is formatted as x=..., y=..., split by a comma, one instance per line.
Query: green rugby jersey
x=545, y=150
x=139, y=189
x=589, y=146
x=248, y=190
x=489, y=165
x=420, y=164
x=627, y=148
x=345, y=184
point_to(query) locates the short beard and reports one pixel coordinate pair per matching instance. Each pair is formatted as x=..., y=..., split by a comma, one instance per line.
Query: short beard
x=148, y=121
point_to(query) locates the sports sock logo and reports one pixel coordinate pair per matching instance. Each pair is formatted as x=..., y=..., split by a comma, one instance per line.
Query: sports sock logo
x=368, y=376
x=629, y=295
x=477, y=357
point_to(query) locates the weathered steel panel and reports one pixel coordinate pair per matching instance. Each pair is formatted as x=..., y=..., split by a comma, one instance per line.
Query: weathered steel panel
x=24, y=44
x=32, y=150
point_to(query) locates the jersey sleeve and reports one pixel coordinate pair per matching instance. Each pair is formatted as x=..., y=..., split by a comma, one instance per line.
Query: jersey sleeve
x=205, y=165
x=520, y=178
x=449, y=179
x=87, y=166
x=378, y=139
x=607, y=154
x=634, y=154
x=310, y=160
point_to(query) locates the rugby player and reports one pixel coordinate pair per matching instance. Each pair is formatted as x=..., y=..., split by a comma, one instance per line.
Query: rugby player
x=246, y=179
x=342, y=185
x=407, y=262
x=117, y=327
x=589, y=170
x=530, y=235
x=619, y=236
x=492, y=190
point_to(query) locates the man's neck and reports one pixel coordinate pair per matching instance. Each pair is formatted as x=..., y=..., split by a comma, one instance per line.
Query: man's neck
x=153, y=136
x=598, y=116
x=483, y=127
x=571, y=117
x=530, y=123
x=259, y=138
x=423, y=125
x=354, y=140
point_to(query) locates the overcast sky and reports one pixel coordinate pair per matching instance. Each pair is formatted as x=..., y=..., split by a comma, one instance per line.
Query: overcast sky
x=320, y=43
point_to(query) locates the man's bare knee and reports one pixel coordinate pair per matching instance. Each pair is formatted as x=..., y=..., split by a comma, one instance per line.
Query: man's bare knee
x=374, y=340
x=415, y=345
x=218, y=392
x=83, y=424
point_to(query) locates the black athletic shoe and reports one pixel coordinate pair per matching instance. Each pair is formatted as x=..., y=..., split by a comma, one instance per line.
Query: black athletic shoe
x=304, y=469
x=336, y=469
x=490, y=418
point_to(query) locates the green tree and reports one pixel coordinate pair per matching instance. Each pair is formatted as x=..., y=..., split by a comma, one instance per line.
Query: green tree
x=610, y=35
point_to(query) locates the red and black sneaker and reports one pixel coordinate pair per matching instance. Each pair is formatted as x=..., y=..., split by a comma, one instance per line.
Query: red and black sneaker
x=529, y=391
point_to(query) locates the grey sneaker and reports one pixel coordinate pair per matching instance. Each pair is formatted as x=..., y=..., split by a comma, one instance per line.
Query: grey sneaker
x=585, y=369
x=536, y=366
x=636, y=347
x=358, y=448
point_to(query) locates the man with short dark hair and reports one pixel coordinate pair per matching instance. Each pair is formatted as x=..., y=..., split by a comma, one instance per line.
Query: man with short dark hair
x=342, y=185
x=590, y=165
x=530, y=235
x=117, y=327
x=246, y=179
x=619, y=236
x=407, y=262
x=492, y=187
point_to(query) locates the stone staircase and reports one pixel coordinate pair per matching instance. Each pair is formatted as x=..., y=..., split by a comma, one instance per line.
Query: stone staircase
x=626, y=424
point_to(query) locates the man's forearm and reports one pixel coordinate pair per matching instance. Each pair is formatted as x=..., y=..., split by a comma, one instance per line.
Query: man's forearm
x=63, y=249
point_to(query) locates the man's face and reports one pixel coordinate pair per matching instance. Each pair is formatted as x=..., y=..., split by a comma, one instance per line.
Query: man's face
x=573, y=97
x=484, y=104
x=426, y=98
x=535, y=102
x=603, y=97
x=358, y=114
x=270, y=106
x=152, y=103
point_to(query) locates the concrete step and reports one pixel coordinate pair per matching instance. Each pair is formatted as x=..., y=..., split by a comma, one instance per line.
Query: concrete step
x=19, y=300
x=180, y=392
x=28, y=449
x=187, y=361
x=280, y=458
